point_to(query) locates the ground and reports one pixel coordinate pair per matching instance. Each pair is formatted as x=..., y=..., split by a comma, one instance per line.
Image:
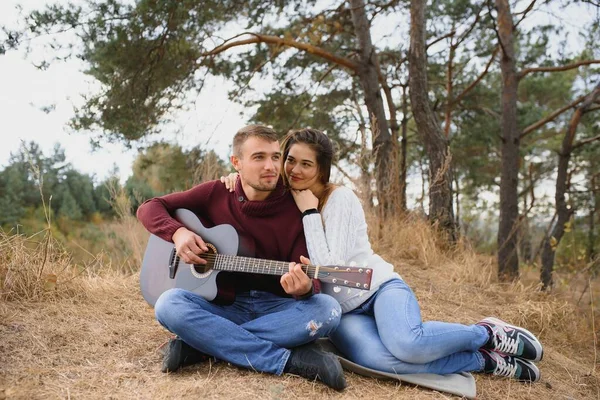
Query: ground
x=95, y=337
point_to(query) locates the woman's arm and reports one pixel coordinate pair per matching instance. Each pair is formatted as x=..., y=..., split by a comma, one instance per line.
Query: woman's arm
x=332, y=235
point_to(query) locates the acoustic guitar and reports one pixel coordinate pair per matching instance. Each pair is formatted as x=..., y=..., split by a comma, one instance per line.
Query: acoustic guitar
x=162, y=269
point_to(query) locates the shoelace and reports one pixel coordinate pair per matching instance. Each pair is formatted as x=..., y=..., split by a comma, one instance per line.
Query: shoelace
x=503, y=368
x=505, y=344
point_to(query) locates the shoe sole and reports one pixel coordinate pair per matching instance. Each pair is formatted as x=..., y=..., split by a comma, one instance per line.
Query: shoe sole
x=339, y=372
x=534, y=368
x=536, y=342
x=167, y=356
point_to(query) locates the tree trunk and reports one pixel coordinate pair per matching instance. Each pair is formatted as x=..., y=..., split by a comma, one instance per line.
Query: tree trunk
x=563, y=212
x=449, y=88
x=369, y=80
x=508, y=261
x=591, y=247
x=457, y=195
x=591, y=250
x=436, y=144
x=404, y=147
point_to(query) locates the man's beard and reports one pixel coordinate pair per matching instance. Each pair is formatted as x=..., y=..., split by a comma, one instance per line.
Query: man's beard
x=263, y=187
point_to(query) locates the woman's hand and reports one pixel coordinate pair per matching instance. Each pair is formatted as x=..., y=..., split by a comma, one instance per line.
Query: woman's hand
x=230, y=180
x=305, y=199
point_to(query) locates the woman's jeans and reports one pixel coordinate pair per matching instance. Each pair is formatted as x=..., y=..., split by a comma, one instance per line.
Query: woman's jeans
x=386, y=333
x=254, y=332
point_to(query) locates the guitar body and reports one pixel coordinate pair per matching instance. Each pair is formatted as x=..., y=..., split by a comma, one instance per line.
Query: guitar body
x=155, y=274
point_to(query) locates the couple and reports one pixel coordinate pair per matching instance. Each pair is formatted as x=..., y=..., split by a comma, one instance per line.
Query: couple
x=271, y=321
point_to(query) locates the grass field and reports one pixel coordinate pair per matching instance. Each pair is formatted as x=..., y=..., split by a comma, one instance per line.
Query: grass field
x=69, y=332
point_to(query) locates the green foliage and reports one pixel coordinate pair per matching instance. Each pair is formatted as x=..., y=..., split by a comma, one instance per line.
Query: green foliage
x=148, y=55
x=163, y=168
x=31, y=176
x=69, y=207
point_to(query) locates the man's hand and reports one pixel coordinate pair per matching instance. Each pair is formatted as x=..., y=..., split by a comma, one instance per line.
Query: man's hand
x=296, y=282
x=189, y=246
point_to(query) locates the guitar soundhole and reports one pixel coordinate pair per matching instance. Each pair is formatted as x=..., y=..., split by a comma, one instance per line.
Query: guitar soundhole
x=201, y=271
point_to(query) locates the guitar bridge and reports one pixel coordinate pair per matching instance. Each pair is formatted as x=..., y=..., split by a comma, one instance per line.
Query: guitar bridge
x=173, y=263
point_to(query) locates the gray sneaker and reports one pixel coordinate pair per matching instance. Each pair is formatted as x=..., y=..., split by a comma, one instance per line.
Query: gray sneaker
x=509, y=366
x=512, y=340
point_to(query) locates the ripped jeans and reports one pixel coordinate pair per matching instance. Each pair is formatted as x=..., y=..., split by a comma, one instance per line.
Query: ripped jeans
x=254, y=332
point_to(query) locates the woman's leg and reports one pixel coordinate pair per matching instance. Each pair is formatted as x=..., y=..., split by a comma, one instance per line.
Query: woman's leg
x=357, y=338
x=408, y=338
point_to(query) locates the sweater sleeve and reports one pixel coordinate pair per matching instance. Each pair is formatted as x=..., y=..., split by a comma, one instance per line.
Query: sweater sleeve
x=330, y=237
x=157, y=214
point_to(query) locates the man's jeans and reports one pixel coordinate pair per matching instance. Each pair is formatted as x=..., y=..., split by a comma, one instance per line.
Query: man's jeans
x=254, y=332
x=386, y=333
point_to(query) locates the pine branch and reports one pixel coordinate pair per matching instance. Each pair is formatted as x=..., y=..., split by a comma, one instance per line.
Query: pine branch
x=550, y=117
x=586, y=141
x=259, y=38
x=556, y=69
x=525, y=12
x=478, y=79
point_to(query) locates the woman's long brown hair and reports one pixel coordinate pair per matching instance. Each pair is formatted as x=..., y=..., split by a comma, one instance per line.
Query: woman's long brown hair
x=324, y=149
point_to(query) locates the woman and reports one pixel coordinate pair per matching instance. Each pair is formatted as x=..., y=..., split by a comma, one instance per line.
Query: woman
x=382, y=328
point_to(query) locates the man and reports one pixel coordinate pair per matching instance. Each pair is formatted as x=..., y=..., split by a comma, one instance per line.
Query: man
x=269, y=315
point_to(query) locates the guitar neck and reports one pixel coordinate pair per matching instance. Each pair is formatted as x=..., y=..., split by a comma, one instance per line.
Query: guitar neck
x=256, y=265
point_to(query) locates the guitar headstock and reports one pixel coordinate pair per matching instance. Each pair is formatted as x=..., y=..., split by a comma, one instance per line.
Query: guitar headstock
x=354, y=277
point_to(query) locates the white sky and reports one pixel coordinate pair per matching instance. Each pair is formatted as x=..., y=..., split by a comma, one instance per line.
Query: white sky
x=25, y=89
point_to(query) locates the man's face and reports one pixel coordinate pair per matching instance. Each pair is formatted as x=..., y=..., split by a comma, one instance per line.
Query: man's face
x=258, y=164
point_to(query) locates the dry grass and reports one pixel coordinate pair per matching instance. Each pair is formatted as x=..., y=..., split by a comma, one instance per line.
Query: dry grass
x=31, y=269
x=91, y=335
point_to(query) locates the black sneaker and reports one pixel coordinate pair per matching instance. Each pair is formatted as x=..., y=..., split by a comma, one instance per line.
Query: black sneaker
x=512, y=340
x=180, y=354
x=310, y=362
x=509, y=366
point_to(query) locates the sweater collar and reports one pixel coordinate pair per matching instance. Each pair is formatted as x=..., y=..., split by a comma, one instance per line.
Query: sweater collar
x=269, y=206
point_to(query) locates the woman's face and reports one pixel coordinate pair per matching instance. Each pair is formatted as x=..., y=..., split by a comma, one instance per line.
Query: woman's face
x=301, y=167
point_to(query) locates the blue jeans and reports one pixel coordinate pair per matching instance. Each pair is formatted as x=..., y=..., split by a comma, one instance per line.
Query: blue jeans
x=254, y=332
x=386, y=333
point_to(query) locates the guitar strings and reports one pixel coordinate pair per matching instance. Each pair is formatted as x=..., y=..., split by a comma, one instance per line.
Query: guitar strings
x=312, y=268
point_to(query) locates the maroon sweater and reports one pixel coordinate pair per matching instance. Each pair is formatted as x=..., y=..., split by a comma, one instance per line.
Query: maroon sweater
x=269, y=229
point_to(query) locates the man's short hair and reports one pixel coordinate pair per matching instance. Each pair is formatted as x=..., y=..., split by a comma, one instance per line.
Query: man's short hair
x=260, y=131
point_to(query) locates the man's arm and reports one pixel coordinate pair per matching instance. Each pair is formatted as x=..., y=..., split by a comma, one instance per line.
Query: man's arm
x=156, y=216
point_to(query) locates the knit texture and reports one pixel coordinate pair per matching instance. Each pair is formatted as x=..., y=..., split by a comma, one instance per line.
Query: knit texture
x=338, y=236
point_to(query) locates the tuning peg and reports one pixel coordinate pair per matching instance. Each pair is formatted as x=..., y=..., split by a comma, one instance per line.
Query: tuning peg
x=337, y=289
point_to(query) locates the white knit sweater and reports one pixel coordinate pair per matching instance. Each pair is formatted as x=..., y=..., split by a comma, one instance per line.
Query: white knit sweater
x=338, y=236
